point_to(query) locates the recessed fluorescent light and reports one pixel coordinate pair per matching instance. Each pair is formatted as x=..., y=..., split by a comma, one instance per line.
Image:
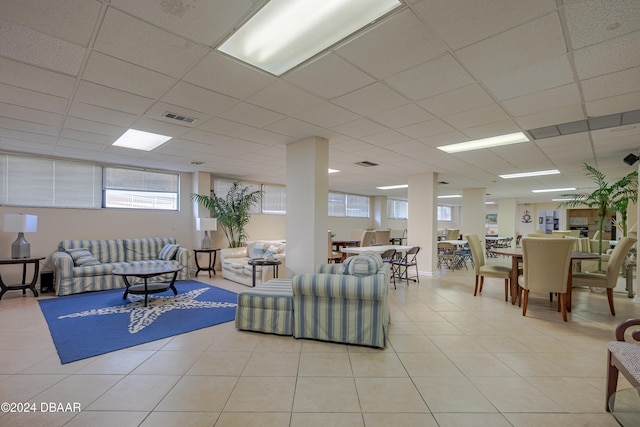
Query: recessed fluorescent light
x=528, y=174
x=551, y=190
x=284, y=34
x=393, y=187
x=333, y=170
x=489, y=203
x=141, y=140
x=451, y=196
x=566, y=199
x=494, y=141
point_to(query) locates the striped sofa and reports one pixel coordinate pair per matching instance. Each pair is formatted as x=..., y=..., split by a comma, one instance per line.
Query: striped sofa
x=350, y=308
x=75, y=275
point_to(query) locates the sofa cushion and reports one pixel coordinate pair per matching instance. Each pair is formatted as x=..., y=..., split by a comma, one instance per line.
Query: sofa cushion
x=168, y=252
x=258, y=249
x=82, y=257
x=272, y=250
x=106, y=251
x=365, y=264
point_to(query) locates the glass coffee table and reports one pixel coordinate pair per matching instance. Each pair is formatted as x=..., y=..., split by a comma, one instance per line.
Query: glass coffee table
x=625, y=406
x=145, y=272
x=263, y=262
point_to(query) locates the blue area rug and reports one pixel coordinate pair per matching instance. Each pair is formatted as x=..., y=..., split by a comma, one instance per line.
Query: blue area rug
x=90, y=324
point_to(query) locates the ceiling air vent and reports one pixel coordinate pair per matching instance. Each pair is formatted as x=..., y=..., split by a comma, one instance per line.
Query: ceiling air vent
x=366, y=164
x=179, y=117
x=442, y=182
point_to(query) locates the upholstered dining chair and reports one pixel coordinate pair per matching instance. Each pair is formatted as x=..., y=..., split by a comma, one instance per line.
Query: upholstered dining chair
x=382, y=237
x=367, y=238
x=483, y=270
x=546, y=269
x=608, y=280
x=452, y=234
x=333, y=255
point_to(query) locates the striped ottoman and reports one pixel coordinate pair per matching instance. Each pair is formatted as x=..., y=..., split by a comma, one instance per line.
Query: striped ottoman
x=266, y=308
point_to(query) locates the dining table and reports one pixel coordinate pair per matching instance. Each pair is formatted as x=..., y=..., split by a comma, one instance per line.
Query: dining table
x=517, y=255
x=375, y=248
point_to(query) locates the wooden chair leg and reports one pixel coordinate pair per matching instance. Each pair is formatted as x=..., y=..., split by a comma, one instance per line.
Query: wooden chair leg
x=610, y=297
x=481, y=282
x=525, y=300
x=475, y=291
x=506, y=289
x=563, y=302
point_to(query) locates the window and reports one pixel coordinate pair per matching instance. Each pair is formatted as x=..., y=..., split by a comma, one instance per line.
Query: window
x=397, y=209
x=140, y=189
x=350, y=205
x=444, y=213
x=41, y=182
x=274, y=199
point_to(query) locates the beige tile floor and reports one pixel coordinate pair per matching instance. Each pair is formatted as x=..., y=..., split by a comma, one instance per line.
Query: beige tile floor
x=452, y=360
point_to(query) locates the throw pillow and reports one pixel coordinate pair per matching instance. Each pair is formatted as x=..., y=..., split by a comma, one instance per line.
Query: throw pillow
x=82, y=257
x=365, y=264
x=271, y=251
x=258, y=250
x=168, y=252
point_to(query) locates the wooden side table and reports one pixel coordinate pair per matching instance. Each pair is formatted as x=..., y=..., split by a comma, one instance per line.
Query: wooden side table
x=24, y=285
x=212, y=260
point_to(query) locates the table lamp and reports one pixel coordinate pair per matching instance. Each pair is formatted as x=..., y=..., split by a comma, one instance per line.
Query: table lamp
x=206, y=224
x=21, y=224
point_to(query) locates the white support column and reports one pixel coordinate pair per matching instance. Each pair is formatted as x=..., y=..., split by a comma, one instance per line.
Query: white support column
x=379, y=212
x=473, y=212
x=507, y=210
x=307, y=204
x=422, y=223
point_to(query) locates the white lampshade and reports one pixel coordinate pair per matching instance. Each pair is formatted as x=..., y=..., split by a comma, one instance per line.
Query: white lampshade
x=204, y=224
x=20, y=223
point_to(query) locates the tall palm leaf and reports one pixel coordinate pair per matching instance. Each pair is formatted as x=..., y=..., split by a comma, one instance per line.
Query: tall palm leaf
x=232, y=211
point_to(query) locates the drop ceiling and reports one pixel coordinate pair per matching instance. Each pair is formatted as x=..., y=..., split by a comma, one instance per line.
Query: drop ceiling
x=76, y=74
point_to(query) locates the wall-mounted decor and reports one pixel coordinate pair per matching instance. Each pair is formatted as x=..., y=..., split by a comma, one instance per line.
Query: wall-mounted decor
x=526, y=218
x=491, y=219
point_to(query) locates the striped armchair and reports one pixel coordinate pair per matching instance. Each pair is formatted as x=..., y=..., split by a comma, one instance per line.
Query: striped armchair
x=350, y=307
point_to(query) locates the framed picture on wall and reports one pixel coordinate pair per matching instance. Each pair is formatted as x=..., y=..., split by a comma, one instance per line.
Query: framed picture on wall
x=491, y=219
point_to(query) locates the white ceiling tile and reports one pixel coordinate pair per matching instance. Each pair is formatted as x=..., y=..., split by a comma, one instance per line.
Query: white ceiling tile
x=612, y=84
x=284, y=98
x=534, y=78
x=102, y=96
x=294, y=128
x=26, y=45
x=83, y=137
x=536, y=42
x=434, y=77
x=101, y=115
x=611, y=56
x=93, y=127
x=318, y=77
x=492, y=129
x=394, y=45
x=226, y=127
x=262, y=136
x=326, y=115
x=593, y=21
x=457, y=100
x=385, y=138
x=198, y=99
x=567, y=114
x=28, y=98
x=27, y=126
x=371, y=99
x=16, y=135
x=30, y=147
x=30, y=114
x=461, y=23
x=613, y=104
x=36, y=79
x=200, y=136
x=71, y=20
x=137, y=42
x=108, y=71
x=155, y=126
x=359, y=128
x=204, y=22
x=479, y=116
x=425, y=129
x=549, y=99
x=226, y=75
x=404, y=115
x=251, y=114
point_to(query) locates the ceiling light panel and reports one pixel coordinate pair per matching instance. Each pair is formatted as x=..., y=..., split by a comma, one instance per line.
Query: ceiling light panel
x=494, y=141
x=141, y=140
x=284, y=34
x=551, y=190
x=529, y=174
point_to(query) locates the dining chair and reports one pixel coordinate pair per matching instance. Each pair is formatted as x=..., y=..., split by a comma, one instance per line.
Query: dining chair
x=333, y=255
x=546, y=269
x=446, y=255
x=452, y=234
x=388, y=256
x=609, y=280
x=367, y=238
x=622, y=357
x=382, y=237
x=483, y=270
x=401, y=266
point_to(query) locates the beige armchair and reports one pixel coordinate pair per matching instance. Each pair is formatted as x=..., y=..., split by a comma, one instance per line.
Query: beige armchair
x=546, y=269
x=482, y=270
x=608, y=280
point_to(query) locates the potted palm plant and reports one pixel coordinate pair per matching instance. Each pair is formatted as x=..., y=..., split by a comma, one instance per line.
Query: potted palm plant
x=605, y=198
x=232, y=210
